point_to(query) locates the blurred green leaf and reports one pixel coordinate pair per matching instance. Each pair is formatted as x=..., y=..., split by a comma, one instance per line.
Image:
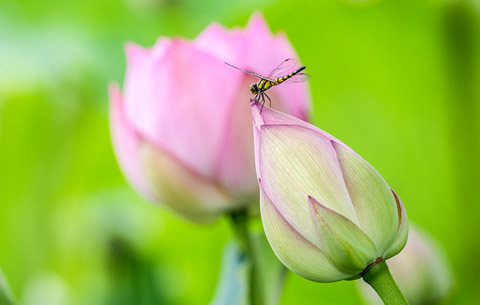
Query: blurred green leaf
x=6, y=296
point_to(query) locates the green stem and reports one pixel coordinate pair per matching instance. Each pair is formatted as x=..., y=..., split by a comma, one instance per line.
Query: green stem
x=239, y=220
x=379, y=277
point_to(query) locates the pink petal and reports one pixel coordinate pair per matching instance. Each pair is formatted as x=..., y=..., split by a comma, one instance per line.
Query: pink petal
x=175, y=104
x=190, y=194
x=126, y=143
x=226, y=45
x=236, y=158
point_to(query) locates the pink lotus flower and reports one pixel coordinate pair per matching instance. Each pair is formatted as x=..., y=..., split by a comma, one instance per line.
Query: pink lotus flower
x=182, y=128
x=326, y=212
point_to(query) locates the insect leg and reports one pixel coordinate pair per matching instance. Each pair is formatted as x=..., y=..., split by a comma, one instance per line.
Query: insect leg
x=270, y=101
x=263, y=101
x=255, y=98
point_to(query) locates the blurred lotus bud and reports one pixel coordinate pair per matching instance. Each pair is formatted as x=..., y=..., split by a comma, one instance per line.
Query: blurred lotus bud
x=421, y=271
x=326, y=212
x=182, y=127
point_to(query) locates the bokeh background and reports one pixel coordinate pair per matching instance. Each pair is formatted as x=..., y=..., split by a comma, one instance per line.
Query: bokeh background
x=397, y=80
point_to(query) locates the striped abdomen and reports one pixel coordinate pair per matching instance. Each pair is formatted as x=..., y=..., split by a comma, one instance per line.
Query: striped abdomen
x=280, y=80
x=264, y=84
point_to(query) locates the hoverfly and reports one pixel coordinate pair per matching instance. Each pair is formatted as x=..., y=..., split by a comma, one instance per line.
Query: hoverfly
x=274, y=78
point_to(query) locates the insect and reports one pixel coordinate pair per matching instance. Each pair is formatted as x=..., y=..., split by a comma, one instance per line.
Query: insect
x=276, y=77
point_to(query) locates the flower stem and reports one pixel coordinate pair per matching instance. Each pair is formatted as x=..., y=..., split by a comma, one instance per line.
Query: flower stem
x=378, y=276
x=239, y=220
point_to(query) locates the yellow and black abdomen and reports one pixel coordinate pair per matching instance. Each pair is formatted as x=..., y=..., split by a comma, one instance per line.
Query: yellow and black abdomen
x=280, y=80
x=264, y=84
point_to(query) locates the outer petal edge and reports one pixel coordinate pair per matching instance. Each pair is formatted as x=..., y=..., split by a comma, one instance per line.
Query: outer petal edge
x=402, y=233
x=126, y=143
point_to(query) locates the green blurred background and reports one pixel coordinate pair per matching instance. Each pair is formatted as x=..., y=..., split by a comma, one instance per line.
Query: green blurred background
x=395, y=80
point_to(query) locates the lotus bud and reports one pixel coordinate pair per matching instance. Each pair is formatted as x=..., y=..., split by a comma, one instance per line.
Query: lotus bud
x=327, y=213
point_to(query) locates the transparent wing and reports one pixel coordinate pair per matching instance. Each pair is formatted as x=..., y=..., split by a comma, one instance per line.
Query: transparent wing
x=250, y=72
x=282, y=69
x=298, y=78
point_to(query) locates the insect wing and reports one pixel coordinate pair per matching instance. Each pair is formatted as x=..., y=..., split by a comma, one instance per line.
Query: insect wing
x=282, y=69
x=298, y=78
x=249, y=72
